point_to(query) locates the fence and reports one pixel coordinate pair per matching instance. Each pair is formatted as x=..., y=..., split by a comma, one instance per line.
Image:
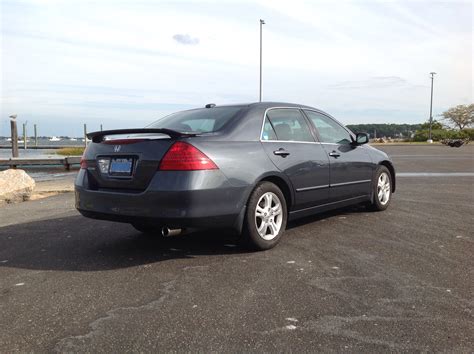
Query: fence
x=67, y=162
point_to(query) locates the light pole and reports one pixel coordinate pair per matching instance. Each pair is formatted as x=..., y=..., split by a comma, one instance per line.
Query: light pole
x=430, y=140
x=262, y=22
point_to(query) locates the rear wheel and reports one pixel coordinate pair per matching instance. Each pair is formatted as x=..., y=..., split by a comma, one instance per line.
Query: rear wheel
x=382, y=186
x=266, y=216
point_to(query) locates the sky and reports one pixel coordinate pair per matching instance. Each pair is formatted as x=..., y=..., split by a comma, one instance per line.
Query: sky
x=127, y=63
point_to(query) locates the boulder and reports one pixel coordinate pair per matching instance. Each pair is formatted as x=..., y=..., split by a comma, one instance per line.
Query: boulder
x=15, y=186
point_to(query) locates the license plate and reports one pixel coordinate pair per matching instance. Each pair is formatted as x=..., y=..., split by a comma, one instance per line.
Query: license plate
x=121, y=166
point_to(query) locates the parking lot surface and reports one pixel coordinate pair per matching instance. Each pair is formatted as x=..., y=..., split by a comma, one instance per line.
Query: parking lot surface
x=349, y=280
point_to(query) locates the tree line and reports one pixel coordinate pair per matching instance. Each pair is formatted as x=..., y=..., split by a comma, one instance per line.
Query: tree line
x=386, y=130
x=455, y=123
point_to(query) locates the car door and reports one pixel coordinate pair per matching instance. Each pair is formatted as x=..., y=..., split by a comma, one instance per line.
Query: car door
x=290, y=144
x=350, y=165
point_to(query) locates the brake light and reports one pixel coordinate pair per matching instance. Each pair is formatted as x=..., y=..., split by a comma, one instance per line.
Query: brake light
x=122, y=141
x=83, y=160
x=182, y=156
x=83, y=163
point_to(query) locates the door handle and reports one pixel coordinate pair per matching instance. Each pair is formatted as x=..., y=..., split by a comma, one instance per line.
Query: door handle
x=281, y=152
x=334, y=153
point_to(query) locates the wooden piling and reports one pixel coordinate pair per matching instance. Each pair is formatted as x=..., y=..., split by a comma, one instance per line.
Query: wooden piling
x=24, y=136
x=36, y=136
x=14, y=136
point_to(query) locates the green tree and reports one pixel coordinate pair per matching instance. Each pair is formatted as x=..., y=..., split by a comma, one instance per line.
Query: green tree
x=436, y=125
x=461, y=116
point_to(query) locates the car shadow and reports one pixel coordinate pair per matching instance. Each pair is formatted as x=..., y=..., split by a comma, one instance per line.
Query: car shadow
x=79, y=244
x=76, y=243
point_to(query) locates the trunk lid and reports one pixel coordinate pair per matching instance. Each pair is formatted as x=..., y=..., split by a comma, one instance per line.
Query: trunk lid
x=126, y=160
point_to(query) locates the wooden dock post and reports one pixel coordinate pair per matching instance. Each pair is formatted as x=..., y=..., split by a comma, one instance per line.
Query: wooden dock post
x=14, y=135
x=36, y=136
x=24, y=136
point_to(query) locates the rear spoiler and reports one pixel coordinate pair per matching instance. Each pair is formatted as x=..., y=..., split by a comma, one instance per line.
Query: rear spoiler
x=97, y=137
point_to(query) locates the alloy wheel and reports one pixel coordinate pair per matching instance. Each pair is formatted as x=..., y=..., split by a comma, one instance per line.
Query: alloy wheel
x=268, y=216
x=383, y=188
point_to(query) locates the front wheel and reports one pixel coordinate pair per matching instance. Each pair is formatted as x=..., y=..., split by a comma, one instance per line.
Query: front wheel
x=382, y=186
x=266, y=216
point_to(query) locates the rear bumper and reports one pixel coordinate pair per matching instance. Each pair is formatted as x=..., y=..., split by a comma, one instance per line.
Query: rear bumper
x=197, y=199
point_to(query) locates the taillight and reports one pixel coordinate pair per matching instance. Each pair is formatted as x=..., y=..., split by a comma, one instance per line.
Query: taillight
x=83, y=163
x=182, y=156
x=83, y=160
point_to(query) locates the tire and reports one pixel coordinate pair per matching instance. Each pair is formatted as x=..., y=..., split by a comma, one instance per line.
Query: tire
x=263, y=227
x=382, y=189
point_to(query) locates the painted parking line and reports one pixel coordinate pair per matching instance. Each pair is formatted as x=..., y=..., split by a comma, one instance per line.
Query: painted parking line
x=440, y=156
x=435, y=174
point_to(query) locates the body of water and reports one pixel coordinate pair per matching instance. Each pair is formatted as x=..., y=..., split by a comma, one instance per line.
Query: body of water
x=47, y=148
x=30, y=153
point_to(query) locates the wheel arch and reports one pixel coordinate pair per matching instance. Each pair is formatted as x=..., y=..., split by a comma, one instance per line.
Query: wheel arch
x=284, y=187
x=391, y=169
x=280, y=181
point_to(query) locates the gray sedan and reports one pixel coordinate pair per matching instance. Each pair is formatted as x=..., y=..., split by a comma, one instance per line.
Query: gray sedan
x=249, y=167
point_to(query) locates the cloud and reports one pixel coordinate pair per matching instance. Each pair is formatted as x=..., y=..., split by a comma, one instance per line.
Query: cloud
x=186, y=39
x=117, y=60
x=373, y=82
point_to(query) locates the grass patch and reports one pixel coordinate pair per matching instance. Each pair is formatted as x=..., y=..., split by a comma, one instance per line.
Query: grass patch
x=72, y=151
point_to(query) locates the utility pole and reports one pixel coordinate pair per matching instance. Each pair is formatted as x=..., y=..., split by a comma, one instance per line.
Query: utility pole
x=430, y=140
x=85, y=135
x=262, y=22
x=14, y=135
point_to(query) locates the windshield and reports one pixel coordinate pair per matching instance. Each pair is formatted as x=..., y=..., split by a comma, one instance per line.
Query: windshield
x=203, y=120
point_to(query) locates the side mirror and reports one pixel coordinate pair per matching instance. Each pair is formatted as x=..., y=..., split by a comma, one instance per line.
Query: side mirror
x=362, y=138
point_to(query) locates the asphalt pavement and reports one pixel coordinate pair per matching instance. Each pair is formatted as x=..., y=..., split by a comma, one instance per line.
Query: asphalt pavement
x=349, y=280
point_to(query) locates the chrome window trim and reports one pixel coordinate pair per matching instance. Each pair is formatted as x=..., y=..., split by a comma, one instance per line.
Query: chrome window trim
x=289, y=141
x=285, y=141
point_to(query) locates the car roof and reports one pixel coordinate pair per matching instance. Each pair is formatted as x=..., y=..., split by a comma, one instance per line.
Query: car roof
x=265, y=105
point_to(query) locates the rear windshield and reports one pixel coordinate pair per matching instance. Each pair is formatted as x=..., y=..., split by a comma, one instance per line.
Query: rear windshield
x=204, y=120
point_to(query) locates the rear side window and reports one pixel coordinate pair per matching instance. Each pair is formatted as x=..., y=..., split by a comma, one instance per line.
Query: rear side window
x=268, y=131
x=329, y=130
x=287, y=125
x=203, y=120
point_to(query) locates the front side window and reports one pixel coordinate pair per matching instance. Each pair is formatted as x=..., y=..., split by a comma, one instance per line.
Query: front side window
x=329, y=130
x=203, y=120
x=287, y=125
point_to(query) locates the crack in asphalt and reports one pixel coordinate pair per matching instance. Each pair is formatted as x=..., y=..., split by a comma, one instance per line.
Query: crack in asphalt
x=73, y=343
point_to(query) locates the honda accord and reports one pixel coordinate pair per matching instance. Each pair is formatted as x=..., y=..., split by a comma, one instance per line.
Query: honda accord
x=249, y=167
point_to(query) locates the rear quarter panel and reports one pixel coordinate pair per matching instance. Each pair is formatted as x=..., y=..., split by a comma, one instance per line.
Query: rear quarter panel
x=244, y=163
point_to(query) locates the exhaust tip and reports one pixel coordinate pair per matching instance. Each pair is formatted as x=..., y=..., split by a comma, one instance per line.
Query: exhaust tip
x=167, y=232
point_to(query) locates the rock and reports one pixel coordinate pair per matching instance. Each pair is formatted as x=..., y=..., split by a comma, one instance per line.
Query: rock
x=15, y=186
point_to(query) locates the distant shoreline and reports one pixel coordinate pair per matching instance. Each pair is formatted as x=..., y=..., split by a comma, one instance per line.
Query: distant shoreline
x=39, y=147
